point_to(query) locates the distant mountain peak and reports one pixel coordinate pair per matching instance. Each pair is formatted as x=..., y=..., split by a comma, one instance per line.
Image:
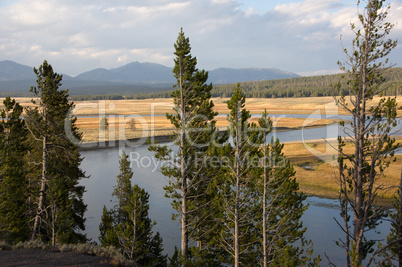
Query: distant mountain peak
x=11, y=71
x=145, y=73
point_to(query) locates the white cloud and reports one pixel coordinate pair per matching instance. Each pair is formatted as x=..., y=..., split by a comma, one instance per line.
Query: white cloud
x=31, y=13
x=34, y=48
x=220, y=1
x=308, y=6
x=396, y=15
x=213, y=24
x=79, y=40
x=122, y=59
x=320, y=72
x=251, y=11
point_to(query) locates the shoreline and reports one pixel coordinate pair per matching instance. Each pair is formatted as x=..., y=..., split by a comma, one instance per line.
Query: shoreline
x=86, y=146
x=117, y=143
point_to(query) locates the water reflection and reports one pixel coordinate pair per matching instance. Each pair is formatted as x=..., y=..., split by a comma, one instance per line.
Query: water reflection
x=324, y=231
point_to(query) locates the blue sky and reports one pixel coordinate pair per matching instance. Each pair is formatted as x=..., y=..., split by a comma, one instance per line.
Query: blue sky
x=301, y=36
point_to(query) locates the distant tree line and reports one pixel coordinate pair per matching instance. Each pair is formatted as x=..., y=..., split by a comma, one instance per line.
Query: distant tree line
x=15, y=94
x=314, y=86
x=305, y=86
x=96, y=97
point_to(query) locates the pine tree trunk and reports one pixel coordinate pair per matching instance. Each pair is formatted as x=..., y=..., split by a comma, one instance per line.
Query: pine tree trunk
x=236, y=240
x=236, y=222
x=184, y=233
x=236, y=219
x=264, y=207
x=42, y=193
x=359, y=198
x=134, y=230
x=184, y=190
x=359, y=212
x=344, y=208
x=400, y=223
x=53, y=224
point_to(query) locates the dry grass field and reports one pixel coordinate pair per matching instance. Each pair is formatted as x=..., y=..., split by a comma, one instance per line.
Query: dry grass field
x=313, y=163
x=254, y=105
x=128, y=127
x=306, y=105
x=136, y=118
x=317, y=172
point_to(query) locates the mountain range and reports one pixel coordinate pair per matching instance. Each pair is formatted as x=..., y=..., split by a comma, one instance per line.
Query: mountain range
x=132, y=78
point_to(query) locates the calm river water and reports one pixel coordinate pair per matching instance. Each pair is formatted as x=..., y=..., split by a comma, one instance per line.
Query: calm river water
x=103, y=167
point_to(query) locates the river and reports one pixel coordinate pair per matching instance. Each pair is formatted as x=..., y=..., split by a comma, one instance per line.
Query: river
x=103, y=166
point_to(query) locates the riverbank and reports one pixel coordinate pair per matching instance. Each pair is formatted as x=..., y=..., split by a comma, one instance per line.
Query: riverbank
x=160, y=137
x=315, y=163
x=136, y=127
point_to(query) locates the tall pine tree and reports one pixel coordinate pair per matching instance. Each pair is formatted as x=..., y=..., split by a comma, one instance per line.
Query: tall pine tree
x=55, y=162
x=193, y=119
x=237, y=190
x=369, y=131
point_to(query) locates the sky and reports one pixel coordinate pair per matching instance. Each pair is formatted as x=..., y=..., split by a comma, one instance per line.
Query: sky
x=74, y=36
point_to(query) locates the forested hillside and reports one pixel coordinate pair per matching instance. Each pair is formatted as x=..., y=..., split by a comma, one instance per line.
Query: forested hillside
x=295, y=87
x=304, y=86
